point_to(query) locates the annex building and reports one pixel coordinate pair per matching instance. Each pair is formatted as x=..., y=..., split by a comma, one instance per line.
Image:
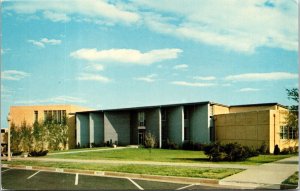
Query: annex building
x=31, y=114
x=199, y=122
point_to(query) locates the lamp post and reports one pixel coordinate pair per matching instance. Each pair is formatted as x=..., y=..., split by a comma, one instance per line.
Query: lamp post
x=8, y=140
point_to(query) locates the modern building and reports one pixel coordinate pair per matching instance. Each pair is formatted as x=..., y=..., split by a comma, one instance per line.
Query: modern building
x=199, y=122
x=30, y=114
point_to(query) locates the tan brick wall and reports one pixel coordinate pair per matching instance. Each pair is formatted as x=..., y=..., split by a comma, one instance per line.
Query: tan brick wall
x=247, y=128
x=218, y=109
x=236, y=109
x=253, y=128
x=19, y=114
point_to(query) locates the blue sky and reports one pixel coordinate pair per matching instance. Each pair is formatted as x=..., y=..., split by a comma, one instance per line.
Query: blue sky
x=110, y=54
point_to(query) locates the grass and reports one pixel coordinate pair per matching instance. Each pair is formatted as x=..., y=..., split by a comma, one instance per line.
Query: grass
x=292, y=179
x=213, y=173
x=161, y=155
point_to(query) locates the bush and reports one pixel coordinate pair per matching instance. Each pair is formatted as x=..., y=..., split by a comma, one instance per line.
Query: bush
x=150, y=140
x=215, y=152
x=188, y=145
x=289, y=150
x=276, y=150
x=263, y=149
x=38, y=153
x=229, y=152
x=169, y=145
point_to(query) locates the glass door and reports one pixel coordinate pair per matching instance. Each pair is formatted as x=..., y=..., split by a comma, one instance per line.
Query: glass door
x=141, y=137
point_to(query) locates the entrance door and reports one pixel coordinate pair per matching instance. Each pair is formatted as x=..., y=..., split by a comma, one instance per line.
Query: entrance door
x=141, y=137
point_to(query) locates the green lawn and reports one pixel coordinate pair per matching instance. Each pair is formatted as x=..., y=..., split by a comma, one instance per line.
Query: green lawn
x=161, y=155
x=213, y=173
x=292, y=179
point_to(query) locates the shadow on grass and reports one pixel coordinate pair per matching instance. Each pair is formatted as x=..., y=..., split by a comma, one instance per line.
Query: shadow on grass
x=192, y=159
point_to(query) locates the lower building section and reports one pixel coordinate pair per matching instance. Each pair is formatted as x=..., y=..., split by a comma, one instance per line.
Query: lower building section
x=172, y=124
x=203, y=122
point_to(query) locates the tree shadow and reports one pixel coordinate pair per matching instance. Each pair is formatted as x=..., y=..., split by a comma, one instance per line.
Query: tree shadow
x=192, y=159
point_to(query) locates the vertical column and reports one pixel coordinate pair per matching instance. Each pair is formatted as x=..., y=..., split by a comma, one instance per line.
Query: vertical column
x=77, y=130
x=182, y=123
x=91, y=128
x=159, y=129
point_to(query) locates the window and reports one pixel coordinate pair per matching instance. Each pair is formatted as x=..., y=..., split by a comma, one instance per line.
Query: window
x=55, y=116
x=186, y=113
x=36, y=116
x=186, y=133
x=288, y=132
x=141, y=118
x=163, y=114
x=59, y=120
x=58, y=116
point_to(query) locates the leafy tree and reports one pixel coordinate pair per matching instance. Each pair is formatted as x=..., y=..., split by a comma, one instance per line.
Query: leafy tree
x=292, y=118
x=15, y=138
x=26, y=137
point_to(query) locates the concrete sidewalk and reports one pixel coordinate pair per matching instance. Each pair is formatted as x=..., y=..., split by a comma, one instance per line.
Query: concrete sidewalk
x=265, y=176
x=85, y=151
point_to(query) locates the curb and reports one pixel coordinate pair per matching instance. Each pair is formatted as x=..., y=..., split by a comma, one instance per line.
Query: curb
x=173, y=179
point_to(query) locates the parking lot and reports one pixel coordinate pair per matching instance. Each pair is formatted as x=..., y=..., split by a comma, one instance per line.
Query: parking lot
x=38, y=180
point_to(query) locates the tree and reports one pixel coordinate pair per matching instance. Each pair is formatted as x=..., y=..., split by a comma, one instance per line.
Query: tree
x=15, y=138
x=292, y=118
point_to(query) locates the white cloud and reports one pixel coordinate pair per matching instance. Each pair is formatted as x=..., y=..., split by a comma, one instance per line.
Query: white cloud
x=193, y=84
x=149, y=78
x=37, y=43
x=205, y=78
x=180, y=67
x=94, y=67
x=262, y=76
x=44, y=41
x=58, y=99
x=56, y=17
x=93, y=77
x=5, y=92
x=63, y=11
x=50, y=41
x=13, y=75
x=228, y=24
x=249, y=90
x=126, y=55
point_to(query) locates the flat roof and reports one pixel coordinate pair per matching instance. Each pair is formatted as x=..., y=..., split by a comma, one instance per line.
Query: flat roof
x=259, y=104
x=148, y=107
x=179, y=104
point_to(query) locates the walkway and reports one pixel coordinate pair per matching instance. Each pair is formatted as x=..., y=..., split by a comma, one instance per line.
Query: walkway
x=87, y=150
x=264, y=176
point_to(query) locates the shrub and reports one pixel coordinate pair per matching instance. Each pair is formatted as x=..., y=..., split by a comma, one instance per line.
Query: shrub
x=251, y=152
x=167, y=144
x=150, y=140
x=263, y=149
x=215, y=152
x=229, y=152
x=188, y=145
x=38, y=153
x=289, y=150
x=276, y=150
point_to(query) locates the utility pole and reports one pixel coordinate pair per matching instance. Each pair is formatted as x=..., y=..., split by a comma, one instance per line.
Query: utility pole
x=8, y=140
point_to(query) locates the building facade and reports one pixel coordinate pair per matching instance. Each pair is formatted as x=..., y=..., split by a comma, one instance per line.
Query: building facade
x=199, y=122
x=31, y=114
